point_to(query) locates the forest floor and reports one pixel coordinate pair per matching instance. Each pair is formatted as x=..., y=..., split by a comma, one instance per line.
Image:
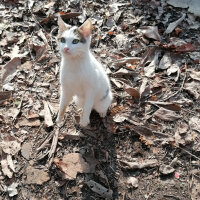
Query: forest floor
x=148, y=145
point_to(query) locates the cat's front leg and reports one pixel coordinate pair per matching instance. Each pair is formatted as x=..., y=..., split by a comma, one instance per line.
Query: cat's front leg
x=88, y=105
x=65, y=99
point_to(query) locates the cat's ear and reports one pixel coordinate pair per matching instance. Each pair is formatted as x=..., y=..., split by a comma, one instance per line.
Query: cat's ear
x=86, y=28
x=62, y=25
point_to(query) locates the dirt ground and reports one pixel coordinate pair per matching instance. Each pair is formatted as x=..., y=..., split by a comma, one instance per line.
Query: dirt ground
x=148, y=145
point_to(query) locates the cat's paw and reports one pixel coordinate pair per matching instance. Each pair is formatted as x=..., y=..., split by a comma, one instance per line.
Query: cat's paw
x=84, y=122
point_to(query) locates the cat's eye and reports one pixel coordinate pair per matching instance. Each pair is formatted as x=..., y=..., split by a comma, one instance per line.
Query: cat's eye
x=75, y=41
x=62, y=39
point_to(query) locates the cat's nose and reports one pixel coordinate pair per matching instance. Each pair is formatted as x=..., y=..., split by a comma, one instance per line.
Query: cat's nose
x=66, y=50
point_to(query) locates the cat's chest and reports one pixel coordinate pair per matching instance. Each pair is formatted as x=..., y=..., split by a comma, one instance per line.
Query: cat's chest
x=76, y=79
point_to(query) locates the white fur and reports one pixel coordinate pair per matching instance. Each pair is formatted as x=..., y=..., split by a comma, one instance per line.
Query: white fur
x=82, y=77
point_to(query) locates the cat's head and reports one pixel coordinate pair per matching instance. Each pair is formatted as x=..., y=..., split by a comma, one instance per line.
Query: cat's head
x=74, y=41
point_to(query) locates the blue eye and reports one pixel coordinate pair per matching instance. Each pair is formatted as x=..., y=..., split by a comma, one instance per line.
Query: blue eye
x=62, y=39
x=75, y=41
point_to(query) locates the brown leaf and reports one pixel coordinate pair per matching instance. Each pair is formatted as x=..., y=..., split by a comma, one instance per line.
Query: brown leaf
x=5, y=95
x=10, y=68
x=150, y=32
x=131, y=60
x=166, y=115
x=36, y=176
x=133, y=92
x=69, y=14
x=40, y=51
x=32, y=122
x=145, y=133
x=167, y=105
x=72, y=164
x=186, y=47
x=140, y=165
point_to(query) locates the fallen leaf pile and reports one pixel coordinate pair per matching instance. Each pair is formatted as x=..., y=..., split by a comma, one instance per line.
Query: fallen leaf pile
x=148, y=144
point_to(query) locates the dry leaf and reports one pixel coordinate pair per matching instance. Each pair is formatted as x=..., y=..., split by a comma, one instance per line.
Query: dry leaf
x=166, y=115
x=150, y=32
x=173, y=25
x=5, y=168
x=195, y=75
x=149, y=71
x=193, y=88
x=165, y=62
x=123, y=61
x=12, y=189
x=145, y=133
x=5, y=95
x=195, y=123
x=72, y=164
x=140, y=165
x=167, y=105
x=10, y=145
x=144, y=89
x=133, y=92
x=36, y=176
x=73, y=134
x=31, y=122
x=186, y=47
x=40, y=52
x=10, y=68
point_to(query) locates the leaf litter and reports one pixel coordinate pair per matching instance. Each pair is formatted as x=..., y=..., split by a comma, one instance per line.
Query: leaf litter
x=150, y=52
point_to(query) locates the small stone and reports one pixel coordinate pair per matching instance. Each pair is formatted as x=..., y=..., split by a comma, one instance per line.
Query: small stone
x=166, y=169
x=133, y=182
x=26, y=150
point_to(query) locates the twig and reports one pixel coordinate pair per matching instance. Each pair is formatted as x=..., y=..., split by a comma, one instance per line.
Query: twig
x=182, y=85
x=19, y=108
x=175, y=197
x=53, y=147
x=29, y=48
x=54, y=144
x=189, y=153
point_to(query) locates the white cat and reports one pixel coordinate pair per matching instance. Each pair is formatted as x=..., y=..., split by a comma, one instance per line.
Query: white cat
x=81, y=75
